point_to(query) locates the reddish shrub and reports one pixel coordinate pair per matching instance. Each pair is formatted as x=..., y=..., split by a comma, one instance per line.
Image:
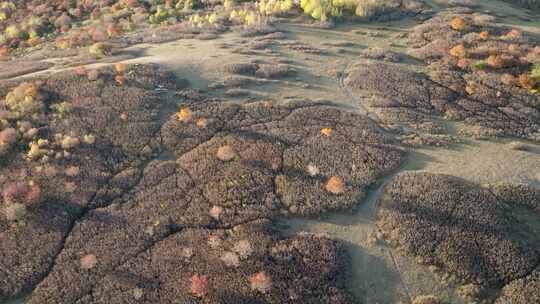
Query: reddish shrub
x=495, y=61
x=113, y=30
x=20, y=192
x=261, y=282
x=80, y=70
x=199, y=285
x=484, y=35
x=97, y=34
x=120, y=79
x=508, y=79
x=526, y=81
x=335, y=185
x=4, y=51
x=13, y=192
x=33, y=196
x=63, y=22
x=8, y=136
x=93, y=75
x=120, y=68
x=513, y=34
x=464, y=63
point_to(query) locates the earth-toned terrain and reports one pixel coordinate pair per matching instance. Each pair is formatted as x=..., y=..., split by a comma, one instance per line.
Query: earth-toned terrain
x=269, y=152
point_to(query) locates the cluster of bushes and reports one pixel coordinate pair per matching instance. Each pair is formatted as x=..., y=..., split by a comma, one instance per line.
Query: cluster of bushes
x=18, y=197
x=23, y=112
x=501, y=52
x=325, y=9
x=19, y=109
x=71, y=23
x=275, y=7
x=78, y=23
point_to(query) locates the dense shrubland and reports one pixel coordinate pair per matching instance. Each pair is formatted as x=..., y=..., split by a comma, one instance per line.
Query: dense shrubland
x=84, y=23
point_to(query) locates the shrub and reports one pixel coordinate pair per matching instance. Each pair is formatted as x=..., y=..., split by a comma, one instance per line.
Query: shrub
x=35, y=150
x=14, y=212
x=12, y=32
x=215, y=212
x=312, y=170
x=230, y=259
x=228, y=4
x=120, y=68
x=72, y=171
x=62, y=43
x=225, y=153
x=80, y=70
x=243, y=248
x=199, y=285
x=261, y=282
x=93, y=75
x=97, y=34
x=4, y=51
x=327, y=131
x=458, y=51
x=513, y=34
x=495, y=61
x=335, y=185
x=24, y=100
x=508, y=79
x=26, y=193
x=89, y=139
x=245, y=16
x=484, y=35
x=99, y=49
x=458, y=24
x=8, y=137
x=69, y=142
x=274, y=7
x=184, y=115
x=120, y=79
x=471, y=88
x=464, y=63
x=88, y=261
x=527, y=82
x=368, y=8
x=480, y=65
x=535, y=73
x=322, y=9
x=112, y=31
x=61, y=109
x=201, y=123
x=63, y=22
x=161, y=14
